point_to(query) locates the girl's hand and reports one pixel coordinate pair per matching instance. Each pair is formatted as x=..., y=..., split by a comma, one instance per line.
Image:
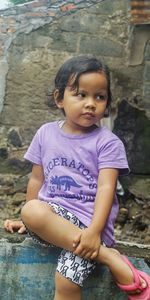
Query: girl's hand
x=14, y=225
x=88, y=245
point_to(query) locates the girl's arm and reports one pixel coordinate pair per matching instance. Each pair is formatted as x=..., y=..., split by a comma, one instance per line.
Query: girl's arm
x=88, y=246
x=35, y=182
x=107, y=181
x=34, y=185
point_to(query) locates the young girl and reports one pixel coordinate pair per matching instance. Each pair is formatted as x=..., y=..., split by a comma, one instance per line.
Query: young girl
x=72, y=186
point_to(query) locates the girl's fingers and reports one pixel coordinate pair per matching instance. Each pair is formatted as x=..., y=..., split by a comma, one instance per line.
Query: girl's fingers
x=83, y=253
x=78, y=250
x=22, y=229
x=6, y=223
x=94, y=255
x=87, y=255
x=8, y=226
x=11, y=225
x=76, y=240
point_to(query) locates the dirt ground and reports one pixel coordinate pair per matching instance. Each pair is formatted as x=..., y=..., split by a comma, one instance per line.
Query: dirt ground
x=133, y=222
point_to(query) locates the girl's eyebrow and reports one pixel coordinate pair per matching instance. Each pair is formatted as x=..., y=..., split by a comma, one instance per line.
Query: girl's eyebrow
x=97, y=92
x=80, y=90
x=76, y=91
x=101, y=91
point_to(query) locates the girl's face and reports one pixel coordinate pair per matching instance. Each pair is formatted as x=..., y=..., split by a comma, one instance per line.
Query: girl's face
x=85, y=106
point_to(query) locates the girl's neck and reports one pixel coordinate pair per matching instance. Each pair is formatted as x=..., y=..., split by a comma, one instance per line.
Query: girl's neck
x=76, y=130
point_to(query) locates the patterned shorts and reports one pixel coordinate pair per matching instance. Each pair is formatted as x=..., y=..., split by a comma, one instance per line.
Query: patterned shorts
x=69, y=265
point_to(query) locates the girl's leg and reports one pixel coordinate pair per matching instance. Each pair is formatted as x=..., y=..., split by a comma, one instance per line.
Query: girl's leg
x=66, y=289
x=40, y=218
x=119, y=269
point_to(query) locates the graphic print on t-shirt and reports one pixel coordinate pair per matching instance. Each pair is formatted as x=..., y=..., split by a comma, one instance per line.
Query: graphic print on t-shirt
x=72, y=180
x=66, y=181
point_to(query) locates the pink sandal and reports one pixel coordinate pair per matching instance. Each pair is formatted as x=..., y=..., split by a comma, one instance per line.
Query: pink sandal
x=145, y=292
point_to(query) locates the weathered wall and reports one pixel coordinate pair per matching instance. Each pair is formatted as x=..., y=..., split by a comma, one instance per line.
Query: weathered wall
x=37, y=37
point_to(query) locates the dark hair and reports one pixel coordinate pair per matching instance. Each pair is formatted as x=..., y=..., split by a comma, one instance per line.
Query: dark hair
x=73, y=68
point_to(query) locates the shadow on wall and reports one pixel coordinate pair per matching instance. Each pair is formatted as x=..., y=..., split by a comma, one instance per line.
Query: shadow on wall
x=133, y=128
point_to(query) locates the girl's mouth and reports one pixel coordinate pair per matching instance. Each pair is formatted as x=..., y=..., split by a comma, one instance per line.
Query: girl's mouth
x=88, y=115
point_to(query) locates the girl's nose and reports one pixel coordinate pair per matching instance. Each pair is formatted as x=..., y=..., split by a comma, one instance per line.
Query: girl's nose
x=90, y=103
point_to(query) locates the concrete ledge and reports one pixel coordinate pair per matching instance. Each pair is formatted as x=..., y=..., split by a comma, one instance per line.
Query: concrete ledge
x=128, y=248
x=27, y=272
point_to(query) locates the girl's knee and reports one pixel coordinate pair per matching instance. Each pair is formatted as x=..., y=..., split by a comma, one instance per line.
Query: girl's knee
x=65, y=287
x=32, y=213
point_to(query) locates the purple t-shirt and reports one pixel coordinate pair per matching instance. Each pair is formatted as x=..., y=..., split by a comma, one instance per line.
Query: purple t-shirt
x=71, y=165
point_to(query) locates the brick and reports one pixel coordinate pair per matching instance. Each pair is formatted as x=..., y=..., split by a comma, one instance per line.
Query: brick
x=11, y=30
x=11, y=20
x=63, y=40
x=36, y=14
x=3, y=29
x=67, y=7
x=37, y=4
x=83, y=23
x=51, y=13
x=100, y=46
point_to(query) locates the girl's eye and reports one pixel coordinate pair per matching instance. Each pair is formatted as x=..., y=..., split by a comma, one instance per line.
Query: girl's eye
x=100, y=97
x=81, y=95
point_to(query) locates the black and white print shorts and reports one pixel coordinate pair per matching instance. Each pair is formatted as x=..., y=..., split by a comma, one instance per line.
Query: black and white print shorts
x=69, y=265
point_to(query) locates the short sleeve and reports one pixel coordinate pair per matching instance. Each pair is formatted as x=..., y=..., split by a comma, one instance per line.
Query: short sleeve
x=112, y=154
x=33, y=153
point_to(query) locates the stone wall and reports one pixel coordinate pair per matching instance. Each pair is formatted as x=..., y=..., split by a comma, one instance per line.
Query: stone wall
x=37, y=37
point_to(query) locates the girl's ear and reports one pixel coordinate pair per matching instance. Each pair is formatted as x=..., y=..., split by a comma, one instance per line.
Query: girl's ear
x=57, y=100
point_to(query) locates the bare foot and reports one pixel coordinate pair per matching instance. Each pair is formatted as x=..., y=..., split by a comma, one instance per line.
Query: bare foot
x=143, y=285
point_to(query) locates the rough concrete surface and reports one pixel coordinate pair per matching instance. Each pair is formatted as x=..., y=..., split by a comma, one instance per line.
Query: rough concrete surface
x=27, y=273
